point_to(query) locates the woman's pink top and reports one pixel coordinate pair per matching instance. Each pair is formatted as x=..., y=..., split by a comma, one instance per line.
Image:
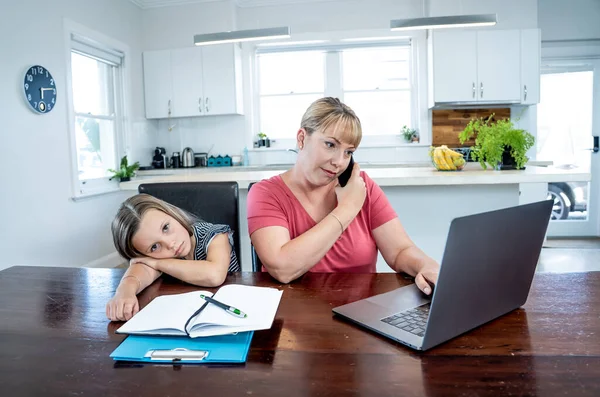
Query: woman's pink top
x=272, y=203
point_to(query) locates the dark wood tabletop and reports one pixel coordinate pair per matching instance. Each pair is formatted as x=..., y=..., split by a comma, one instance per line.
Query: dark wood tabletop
x=55, y=340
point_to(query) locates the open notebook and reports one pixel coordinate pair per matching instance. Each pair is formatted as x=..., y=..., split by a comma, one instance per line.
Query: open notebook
x=169, y=314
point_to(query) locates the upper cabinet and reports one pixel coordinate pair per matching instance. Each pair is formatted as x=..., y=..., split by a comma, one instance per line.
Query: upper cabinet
x=158, y=85
x=486, y=67
x=530, y=66
x=191, y=82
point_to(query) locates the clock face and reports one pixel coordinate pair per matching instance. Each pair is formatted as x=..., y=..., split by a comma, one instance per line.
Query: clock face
x=40, y=89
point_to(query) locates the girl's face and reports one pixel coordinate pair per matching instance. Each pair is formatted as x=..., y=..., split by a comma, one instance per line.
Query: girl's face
x=325, y=156
x=160, y=236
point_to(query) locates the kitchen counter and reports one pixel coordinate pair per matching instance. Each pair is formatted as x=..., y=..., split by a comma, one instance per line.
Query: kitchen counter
x=426, y=200
x=398, y=174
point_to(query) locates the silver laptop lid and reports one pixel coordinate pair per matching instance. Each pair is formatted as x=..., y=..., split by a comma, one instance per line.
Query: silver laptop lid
x=487, y=268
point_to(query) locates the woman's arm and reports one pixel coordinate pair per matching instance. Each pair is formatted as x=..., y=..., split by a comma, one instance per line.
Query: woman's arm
x=402, y=255
x=124, y=303
x=287, y=259
x=208, y=273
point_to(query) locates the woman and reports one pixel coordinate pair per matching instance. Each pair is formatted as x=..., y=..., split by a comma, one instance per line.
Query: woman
x=302, y=220
x=157, y=237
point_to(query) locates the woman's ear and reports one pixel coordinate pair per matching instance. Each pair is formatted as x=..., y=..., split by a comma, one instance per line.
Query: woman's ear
x=300, y=136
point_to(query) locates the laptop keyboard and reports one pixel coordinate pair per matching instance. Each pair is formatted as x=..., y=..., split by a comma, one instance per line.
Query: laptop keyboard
x=413, y=320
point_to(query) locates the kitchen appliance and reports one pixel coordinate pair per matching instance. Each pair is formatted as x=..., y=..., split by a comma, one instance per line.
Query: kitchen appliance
x=176, y=160
x=200, y=159
x=160, y=159
x=187, y=158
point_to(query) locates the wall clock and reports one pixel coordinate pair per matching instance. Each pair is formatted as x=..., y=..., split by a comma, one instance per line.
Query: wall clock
x=40, y=89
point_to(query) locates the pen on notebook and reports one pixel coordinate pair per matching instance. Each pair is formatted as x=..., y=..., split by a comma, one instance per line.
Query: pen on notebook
x=229, y=309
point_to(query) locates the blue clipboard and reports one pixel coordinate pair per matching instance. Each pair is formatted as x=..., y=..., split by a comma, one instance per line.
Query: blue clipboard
x=182, y=349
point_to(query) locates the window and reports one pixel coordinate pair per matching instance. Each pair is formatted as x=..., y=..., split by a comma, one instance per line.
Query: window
x=97, y=114
x=289, y=83
x=375, y=81
x=376, y=86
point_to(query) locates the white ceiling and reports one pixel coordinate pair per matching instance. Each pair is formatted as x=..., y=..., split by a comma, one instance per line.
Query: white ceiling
x=240, y=3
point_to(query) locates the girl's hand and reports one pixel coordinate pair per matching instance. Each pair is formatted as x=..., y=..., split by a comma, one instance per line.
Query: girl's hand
x=144, y=260
x=122, y=306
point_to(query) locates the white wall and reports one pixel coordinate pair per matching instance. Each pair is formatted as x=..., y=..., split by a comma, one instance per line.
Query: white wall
x=41, y=224
x=569, y=20
x=174, y=27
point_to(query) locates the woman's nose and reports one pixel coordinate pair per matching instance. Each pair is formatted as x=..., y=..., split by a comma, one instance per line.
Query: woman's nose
x=338, y=158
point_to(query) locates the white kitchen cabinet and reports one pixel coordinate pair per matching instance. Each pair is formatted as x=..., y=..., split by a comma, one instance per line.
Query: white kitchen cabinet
x=186, y=66
x=157, y=84
x=469, y=66
x=530, y=66
x=499, y=65
x=455, y=66
x=222, y=74
x=196, y=81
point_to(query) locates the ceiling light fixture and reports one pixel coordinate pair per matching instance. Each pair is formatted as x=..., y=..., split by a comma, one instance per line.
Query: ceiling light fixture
x=451, y=21
x=242, y=35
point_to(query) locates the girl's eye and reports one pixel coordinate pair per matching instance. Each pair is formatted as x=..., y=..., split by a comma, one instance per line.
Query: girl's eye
x=349, y=153
x=329, y=144
x=154, y=248
x=166, y=228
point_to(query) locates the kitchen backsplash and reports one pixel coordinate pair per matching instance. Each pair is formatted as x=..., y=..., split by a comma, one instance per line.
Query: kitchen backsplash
x=225, y=135
x=219, y=134
x=448, y=123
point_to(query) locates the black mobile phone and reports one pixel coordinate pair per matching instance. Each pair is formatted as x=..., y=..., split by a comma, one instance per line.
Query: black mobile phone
x=345, y=176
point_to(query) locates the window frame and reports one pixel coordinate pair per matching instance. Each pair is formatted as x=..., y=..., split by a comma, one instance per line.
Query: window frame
x=97, y=186
x=333, y=60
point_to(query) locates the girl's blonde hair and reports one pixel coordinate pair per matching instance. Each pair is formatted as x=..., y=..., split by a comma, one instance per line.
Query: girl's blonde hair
x=128, y=218
x=326, y=112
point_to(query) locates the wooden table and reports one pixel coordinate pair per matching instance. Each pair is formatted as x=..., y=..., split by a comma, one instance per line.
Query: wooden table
x=55, y=341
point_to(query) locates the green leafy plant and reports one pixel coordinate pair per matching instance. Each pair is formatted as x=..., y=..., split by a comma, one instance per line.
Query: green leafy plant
x=409, y=133
x=262, y=135
x=496, y=141
x=126, y=171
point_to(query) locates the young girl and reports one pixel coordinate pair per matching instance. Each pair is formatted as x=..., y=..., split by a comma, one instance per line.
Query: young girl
x=157, y=237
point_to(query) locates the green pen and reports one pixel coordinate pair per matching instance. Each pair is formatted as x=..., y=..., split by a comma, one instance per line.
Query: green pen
x=229, y=309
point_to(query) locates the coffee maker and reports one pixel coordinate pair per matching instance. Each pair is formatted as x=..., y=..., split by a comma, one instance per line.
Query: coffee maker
x=159, y=160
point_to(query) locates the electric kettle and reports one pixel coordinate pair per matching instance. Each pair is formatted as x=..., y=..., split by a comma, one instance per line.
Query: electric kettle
x=187, y=158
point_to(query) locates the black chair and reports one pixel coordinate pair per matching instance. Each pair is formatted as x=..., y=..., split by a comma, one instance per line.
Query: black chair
x=256, y=263
x=214, y=202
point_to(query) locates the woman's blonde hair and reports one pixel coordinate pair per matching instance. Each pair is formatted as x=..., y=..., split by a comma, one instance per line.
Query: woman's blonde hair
x=128, y=218
x=326, y=112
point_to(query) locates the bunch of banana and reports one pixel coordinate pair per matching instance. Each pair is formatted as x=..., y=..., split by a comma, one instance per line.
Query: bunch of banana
x=446, y=159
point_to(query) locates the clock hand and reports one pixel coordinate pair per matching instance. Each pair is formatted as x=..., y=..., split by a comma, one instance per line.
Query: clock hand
x=42, y=91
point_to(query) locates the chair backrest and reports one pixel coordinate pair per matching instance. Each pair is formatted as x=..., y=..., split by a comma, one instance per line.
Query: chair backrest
x=256, y=263
x=214, y=202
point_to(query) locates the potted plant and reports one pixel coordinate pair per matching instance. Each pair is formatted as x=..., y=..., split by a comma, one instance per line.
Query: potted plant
x=126, y=171
x=409, y=134
x=263, y=140
x=498, y=143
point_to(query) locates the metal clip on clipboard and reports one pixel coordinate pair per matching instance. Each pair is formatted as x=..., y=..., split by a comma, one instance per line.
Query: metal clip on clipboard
x=178, y=354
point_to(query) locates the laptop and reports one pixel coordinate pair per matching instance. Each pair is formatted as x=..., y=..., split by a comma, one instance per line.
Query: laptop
x=487, y=268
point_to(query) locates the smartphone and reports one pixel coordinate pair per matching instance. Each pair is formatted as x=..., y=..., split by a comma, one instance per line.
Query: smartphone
x=345, y=176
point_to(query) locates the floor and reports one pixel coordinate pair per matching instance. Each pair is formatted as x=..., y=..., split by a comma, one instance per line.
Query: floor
x=570, y=255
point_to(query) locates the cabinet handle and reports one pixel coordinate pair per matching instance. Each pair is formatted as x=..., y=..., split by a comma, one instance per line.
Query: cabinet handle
x=200, y=105
x=474, y=90
x=481, y=88
x=525, y=92
x=207, y=106
x=169, y=107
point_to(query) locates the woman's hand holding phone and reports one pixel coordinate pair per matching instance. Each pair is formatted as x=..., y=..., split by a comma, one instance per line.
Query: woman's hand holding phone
x=352, y=195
